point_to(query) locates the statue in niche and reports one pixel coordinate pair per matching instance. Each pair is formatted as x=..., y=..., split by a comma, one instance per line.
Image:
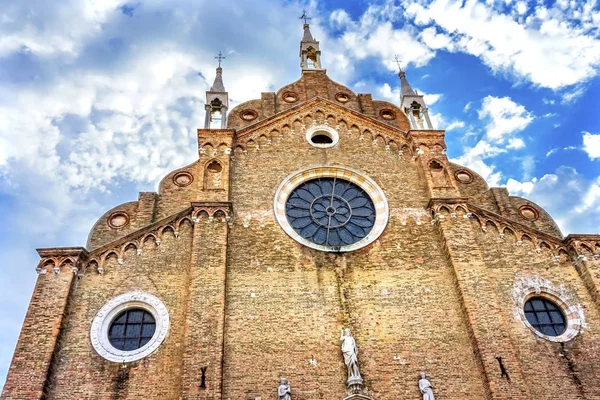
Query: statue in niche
x=284, y=391
x=350, y=352
x=425, y=387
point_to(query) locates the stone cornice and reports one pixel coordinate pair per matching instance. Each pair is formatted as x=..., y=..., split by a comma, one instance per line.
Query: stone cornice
x=59, y=257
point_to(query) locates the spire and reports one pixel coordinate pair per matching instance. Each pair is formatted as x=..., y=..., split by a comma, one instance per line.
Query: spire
x=405, y=88
x=217, y=101
x=217, y=85
x=307, y=35
x=413, y=103
x=310, y=54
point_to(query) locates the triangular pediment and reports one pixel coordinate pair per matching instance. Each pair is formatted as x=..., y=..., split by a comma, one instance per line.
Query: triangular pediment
x=324, y=107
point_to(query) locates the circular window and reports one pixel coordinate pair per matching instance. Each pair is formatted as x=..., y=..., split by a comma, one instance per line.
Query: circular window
x=463, y=176
x=330, y=212
x=249, y=115
x=129, y=327
x=529, y=213
x=119, y=219
x=290, y=97
x=322, y=136
x=387, y=114
x=331, y=209
x=183, y=179
x=545, y=316
x=551, y=315
x=342, y=97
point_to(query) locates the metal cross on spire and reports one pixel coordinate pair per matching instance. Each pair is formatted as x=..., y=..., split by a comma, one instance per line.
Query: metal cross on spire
x=398, y=62
x=220, y=57
x=305, y=17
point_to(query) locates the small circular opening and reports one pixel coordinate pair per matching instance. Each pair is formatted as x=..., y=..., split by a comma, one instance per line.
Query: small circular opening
x=321, y=138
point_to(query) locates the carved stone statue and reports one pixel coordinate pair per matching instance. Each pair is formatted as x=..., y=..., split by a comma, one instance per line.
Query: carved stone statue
x=284, y=391
x=425, y=387
x=350, y=352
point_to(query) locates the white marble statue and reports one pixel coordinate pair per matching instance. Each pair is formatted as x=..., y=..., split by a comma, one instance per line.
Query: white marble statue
x=350, y=352
x=284, y=391
x=425, y=387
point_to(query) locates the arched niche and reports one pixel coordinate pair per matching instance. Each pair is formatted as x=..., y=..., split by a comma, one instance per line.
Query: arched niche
x=213, y=175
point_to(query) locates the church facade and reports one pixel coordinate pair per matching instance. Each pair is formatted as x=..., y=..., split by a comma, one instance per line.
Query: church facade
x=322, y=246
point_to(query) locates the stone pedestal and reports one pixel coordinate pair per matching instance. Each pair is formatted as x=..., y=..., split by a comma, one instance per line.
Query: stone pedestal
x=354, y=385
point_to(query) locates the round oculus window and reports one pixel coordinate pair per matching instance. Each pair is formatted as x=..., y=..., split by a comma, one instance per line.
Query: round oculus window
x=463, y=176
x=129, y=327
x=290, y=97
x=330, y=212
x=331, y=209
x=322, y=136
x=342, y=97
x=183, y=178
x=119, y=219
x=529, y=213
x=545, y=317
x=387, y=114
x=249, y=115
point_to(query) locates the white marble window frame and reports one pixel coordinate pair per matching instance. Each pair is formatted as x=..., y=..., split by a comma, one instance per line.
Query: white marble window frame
x=107, y=314
x=360, y=179
x=325, y=130
x=572, y=312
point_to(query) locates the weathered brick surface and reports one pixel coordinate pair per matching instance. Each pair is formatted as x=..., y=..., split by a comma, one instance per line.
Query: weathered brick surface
x=31, y=361
x=248, y=304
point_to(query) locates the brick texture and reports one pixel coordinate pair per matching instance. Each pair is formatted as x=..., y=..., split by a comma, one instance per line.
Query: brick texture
x=248, y=305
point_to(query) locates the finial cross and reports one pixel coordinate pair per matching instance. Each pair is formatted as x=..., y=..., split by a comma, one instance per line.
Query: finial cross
x=398, y=62
x=305, y=17
x=220, y=57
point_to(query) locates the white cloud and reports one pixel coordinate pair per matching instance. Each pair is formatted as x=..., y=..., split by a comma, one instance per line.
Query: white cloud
x=374, y=35
x=505, y=118
x=431, y=99
x=549, y=36
x=521, y=188
x=455, y=125
x=591, y=145
x=515, y=143
x=393, y=94
x=467, y=106
x=572, y=95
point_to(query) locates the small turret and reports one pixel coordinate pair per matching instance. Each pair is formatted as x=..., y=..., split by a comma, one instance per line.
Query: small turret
x=310, y=54
x=217, y=100
x=413, y=104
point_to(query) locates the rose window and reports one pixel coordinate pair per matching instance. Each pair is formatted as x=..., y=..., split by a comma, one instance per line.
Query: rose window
x=330, y=212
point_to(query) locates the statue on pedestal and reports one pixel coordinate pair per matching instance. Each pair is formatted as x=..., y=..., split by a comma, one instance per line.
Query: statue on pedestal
x=350, y=352
x=284, y=391
x=425, y=387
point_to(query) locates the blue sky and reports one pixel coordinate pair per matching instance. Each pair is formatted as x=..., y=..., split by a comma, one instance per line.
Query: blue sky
x=99, y=99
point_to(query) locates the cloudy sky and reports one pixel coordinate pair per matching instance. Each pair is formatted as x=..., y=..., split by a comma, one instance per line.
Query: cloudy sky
x=100, y=98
